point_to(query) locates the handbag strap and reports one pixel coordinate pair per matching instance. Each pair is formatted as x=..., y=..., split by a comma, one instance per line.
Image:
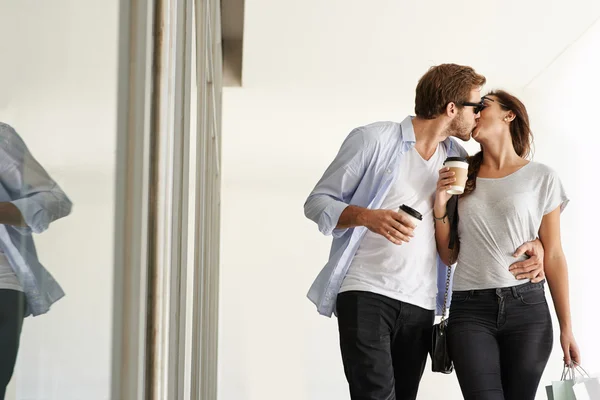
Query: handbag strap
x=452, y=212
x=444, y=307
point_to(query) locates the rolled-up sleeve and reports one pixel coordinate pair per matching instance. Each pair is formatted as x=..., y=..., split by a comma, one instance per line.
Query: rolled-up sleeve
x=37, y=196
x=40, y=209
x=333, y=192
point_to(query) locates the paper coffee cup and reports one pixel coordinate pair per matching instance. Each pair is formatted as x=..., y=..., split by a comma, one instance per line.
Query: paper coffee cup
x=460, y=167
x=413, y=215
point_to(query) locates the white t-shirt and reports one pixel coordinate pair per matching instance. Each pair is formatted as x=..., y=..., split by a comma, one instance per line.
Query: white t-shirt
x=406, y=272
x=8, y=278
x=499, y=216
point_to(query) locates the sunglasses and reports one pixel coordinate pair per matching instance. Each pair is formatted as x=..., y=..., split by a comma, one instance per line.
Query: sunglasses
x=477, y=107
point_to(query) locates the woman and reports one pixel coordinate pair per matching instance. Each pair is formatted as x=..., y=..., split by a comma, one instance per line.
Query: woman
x=499, y=330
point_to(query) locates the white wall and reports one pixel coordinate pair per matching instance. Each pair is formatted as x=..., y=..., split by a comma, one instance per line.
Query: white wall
x=563, y=104
x=58, y=89
x=277, y=143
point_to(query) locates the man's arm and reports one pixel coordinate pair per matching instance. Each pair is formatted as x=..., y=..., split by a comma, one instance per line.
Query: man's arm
x=11, y=215
x=36, y=199
x=533, y=267
x=328, y=204
x=388, y=223
x=333, y=192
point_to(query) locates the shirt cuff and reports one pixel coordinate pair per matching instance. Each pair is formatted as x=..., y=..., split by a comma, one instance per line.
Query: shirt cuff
x=32, y=215
x=330, y=218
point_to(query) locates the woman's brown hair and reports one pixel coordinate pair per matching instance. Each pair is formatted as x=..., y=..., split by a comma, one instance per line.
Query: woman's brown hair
x=522, y=138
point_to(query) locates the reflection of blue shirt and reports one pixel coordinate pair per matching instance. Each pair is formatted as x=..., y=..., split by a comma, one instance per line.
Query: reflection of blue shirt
x=25, y=183
x=361, y=175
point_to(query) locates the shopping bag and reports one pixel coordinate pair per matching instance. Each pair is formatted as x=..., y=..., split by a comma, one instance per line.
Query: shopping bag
x=563, y=389
x=575, y=384
x=586, y=387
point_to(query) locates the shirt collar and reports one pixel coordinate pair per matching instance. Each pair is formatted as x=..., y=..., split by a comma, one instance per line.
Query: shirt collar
x=408, y=131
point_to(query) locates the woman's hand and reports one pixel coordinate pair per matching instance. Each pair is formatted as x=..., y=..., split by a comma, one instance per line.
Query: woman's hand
x=446, y=178
x=570, y=348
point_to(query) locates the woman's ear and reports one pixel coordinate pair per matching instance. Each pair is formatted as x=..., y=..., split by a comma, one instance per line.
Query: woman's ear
x=509, y=117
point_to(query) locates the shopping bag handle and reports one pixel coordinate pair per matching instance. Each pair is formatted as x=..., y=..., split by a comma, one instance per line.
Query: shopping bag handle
x=580, y=369
x=569, y=371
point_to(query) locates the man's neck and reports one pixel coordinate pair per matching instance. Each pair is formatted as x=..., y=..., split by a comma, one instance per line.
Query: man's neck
x=428, y=135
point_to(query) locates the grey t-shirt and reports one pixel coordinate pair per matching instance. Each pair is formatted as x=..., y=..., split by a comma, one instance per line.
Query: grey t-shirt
x=499, y=216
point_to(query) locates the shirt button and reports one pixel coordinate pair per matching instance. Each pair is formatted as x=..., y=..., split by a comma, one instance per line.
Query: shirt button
x=389, y=171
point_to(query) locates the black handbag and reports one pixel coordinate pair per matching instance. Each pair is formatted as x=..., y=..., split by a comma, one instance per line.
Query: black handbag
x=440, y=359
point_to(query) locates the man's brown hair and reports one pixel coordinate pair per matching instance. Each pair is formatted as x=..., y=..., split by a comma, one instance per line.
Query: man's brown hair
x=443, y=84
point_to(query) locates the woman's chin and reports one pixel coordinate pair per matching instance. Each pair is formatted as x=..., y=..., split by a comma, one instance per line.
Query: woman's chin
x=475, y=134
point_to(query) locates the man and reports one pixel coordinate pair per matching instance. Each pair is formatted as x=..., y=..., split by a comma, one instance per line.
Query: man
x=29, y=201
x=382, y=274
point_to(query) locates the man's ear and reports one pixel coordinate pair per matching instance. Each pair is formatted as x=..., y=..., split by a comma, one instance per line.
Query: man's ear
x=451, y=110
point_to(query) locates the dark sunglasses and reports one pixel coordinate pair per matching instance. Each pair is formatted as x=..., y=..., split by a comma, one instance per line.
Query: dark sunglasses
x=477, y=107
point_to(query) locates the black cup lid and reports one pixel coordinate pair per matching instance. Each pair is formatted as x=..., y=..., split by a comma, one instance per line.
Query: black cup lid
x=463, y=159
x=411, y=211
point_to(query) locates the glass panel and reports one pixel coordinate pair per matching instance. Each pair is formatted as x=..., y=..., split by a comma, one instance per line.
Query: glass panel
x=58, y=105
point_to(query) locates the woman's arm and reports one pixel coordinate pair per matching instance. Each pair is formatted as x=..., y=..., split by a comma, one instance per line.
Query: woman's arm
x=442, y=238
x=555, y=265
x=442, y=223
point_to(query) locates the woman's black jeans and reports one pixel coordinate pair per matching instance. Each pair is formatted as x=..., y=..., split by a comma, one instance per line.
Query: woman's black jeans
x=12, y=311
x=500, y=341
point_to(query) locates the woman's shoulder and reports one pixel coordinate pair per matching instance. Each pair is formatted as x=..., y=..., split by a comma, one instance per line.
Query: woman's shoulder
x=541, y=170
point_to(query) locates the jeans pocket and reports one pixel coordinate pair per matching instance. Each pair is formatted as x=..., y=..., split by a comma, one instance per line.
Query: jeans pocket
x=533, y=297
x=360, y=317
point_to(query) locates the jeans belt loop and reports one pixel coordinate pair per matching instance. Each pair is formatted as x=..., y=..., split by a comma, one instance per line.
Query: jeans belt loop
x=515, y=293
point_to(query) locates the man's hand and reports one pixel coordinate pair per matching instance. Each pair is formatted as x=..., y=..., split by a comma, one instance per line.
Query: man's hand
x=533, y=267
x=393, y=226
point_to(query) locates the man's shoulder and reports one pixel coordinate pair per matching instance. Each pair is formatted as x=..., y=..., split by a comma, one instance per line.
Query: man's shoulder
x=6, y=129
x=378, y=131
x=8, y=136
x=381, y=125
x=454, y=148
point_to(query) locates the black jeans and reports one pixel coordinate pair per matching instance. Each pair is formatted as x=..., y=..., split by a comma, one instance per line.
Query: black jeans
x=384, y=345
x=500, y=341
x=12, y=311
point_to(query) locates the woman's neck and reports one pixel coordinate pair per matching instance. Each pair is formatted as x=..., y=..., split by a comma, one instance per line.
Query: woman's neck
x=500, y=155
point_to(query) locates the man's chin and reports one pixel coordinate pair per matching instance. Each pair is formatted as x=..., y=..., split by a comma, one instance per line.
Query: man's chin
x=465, y=137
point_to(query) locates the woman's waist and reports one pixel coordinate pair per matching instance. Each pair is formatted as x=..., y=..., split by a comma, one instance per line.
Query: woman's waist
x=481, y=274
x=513, y=290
